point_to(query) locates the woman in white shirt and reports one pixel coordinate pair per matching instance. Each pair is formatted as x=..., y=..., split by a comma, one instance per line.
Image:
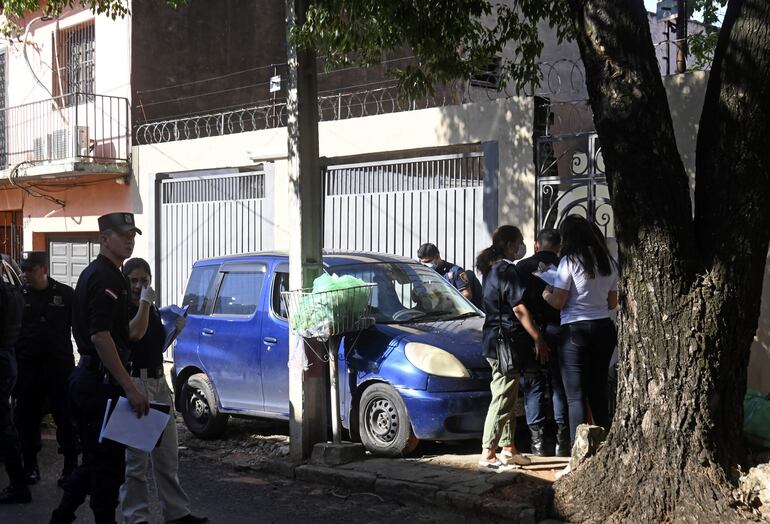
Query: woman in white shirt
x=585, y=291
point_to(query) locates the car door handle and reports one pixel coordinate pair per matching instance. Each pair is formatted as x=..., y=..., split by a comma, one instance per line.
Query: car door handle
x=207, y=331
x=270, y=340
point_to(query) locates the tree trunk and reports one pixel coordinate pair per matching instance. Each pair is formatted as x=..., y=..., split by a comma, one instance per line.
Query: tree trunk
x=690, y=292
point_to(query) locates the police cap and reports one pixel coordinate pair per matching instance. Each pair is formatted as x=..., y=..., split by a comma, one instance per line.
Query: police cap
x=120, y=222
x=33, y=258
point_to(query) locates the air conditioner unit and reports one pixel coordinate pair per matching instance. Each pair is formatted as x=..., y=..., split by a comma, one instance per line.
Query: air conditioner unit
x=41, y=148
x=64, y=144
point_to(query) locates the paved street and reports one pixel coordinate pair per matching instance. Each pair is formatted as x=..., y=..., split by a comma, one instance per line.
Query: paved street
x=229, y=496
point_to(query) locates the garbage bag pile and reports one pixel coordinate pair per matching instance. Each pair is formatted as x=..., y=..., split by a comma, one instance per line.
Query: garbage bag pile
x=334, y=306
x=756, y=419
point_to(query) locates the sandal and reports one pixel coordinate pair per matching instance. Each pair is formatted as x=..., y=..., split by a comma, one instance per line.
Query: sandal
x=509, y=458
x=491, y=466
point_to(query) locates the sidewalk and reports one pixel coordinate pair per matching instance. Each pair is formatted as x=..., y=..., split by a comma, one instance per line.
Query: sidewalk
x=450, y=481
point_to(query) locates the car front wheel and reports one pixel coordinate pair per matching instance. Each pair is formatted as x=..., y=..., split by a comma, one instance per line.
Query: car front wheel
x=384, y=424
x=199, y=408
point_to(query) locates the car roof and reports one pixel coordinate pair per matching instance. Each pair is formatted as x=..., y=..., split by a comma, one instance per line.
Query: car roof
x=330, y=257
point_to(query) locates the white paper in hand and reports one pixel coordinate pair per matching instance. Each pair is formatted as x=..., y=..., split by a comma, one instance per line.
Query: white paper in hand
x=141, y=433
x=548, y=276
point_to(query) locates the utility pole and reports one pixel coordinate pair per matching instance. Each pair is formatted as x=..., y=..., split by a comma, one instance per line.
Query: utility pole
x=681, y=36
x=307, y=387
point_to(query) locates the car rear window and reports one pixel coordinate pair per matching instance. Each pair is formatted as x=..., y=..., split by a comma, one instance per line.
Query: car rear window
x=199, y=289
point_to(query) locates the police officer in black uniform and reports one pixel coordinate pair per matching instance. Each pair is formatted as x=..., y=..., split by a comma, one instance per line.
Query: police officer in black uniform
x=11, y=305
x=45, y=359
x=534, y=380
x=464, y=281
x=100, y=325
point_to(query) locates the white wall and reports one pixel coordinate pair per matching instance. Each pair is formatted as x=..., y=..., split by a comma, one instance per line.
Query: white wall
x=507, y=122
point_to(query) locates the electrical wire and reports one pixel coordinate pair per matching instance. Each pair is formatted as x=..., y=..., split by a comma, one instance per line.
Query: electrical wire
x=14, y=173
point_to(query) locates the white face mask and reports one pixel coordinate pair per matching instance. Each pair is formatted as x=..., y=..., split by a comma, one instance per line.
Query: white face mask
x=521, y=252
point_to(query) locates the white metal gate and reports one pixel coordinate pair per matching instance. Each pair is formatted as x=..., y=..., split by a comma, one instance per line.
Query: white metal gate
x=204, y=215
x=394, y=206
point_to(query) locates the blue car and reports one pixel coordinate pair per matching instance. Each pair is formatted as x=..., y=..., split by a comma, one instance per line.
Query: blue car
x=417, y=373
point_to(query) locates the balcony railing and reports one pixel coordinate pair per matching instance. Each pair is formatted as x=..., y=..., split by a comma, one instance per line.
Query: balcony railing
x=76, y=127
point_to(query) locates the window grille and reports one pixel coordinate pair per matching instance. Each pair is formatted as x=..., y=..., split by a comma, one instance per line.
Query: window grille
x=490, y=76
x=74, y=61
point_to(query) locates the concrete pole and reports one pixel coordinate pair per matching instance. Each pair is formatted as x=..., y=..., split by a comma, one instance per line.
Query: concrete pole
x=307, y=388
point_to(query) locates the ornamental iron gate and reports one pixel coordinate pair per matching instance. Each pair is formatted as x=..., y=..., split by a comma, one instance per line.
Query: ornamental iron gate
x=571, y=180
x=394, y=206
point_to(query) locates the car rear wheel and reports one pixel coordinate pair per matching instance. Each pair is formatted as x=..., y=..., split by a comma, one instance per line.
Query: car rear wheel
x=199, y=408
x=383, y=422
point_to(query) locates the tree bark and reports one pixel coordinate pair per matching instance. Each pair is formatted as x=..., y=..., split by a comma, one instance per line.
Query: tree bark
x=690, y=287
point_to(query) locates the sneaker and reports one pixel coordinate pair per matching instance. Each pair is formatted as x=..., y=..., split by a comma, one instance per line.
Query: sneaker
x=33, y=475
x=15, y=495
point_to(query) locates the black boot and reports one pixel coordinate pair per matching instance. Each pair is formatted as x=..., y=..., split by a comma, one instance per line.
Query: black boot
x=15, y=495
x=18, y=492
x=70, y=463
x=538, y=446
x=563, y=448
x=65, y=513
x=31, y=469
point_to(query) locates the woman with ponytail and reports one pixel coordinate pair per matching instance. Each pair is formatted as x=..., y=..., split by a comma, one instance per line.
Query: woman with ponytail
x=503, y=302
x=585, y=291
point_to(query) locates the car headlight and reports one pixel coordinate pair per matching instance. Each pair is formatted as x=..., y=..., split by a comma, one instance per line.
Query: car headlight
x=435, y=361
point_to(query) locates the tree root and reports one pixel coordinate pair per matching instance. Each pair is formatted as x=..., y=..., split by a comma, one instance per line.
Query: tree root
x=635, y=487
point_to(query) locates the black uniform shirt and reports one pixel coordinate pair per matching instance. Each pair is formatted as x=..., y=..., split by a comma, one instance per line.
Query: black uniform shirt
x=543, y=313
x=503, y=280
x=461, y=280
x=101, y=304
x=148, y=352
x=46, y=323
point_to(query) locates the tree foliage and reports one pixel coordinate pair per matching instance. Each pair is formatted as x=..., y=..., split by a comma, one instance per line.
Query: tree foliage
x=449, y=39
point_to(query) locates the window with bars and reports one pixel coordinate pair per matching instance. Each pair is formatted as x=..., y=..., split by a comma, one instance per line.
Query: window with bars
x=74, y=66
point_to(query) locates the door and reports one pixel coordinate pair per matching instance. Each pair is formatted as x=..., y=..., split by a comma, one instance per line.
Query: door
x=68, y=257
x=275, y=344
x=229, y=343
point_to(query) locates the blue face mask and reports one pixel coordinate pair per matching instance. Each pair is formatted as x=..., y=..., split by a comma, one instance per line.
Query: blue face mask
x=431, y=265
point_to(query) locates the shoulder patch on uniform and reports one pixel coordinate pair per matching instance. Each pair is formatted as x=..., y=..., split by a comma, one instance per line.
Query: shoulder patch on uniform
x=464, y=277
x=111, y=294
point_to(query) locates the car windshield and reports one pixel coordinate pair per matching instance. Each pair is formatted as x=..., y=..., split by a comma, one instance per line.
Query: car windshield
x=409, y=292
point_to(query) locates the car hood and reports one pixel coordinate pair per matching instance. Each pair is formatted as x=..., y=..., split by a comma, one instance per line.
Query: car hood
x=461, y=338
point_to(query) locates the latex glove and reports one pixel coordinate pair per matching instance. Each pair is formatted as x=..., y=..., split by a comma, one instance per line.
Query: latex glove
x=147, y=295
x=181, y=322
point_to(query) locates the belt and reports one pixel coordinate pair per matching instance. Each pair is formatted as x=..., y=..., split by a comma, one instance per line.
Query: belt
x=144, y=373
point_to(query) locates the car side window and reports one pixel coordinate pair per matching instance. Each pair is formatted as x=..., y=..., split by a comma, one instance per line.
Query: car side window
x=199, y=289
x=280, y=283
x=239, y=294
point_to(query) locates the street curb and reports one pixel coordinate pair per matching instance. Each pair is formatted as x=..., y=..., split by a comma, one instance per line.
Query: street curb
x=420, y=492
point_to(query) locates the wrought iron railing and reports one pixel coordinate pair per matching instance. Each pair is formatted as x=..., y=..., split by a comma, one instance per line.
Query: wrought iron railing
x=562, y=80
x=77, y=126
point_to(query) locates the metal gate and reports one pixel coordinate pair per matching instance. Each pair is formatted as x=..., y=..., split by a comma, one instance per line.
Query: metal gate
x=394, y=206
x=11, y=233
x=571, y=180
x=210, y=214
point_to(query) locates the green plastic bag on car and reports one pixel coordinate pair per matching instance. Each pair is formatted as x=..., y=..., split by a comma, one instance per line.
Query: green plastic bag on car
x=756, y=419
x=335, y=303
